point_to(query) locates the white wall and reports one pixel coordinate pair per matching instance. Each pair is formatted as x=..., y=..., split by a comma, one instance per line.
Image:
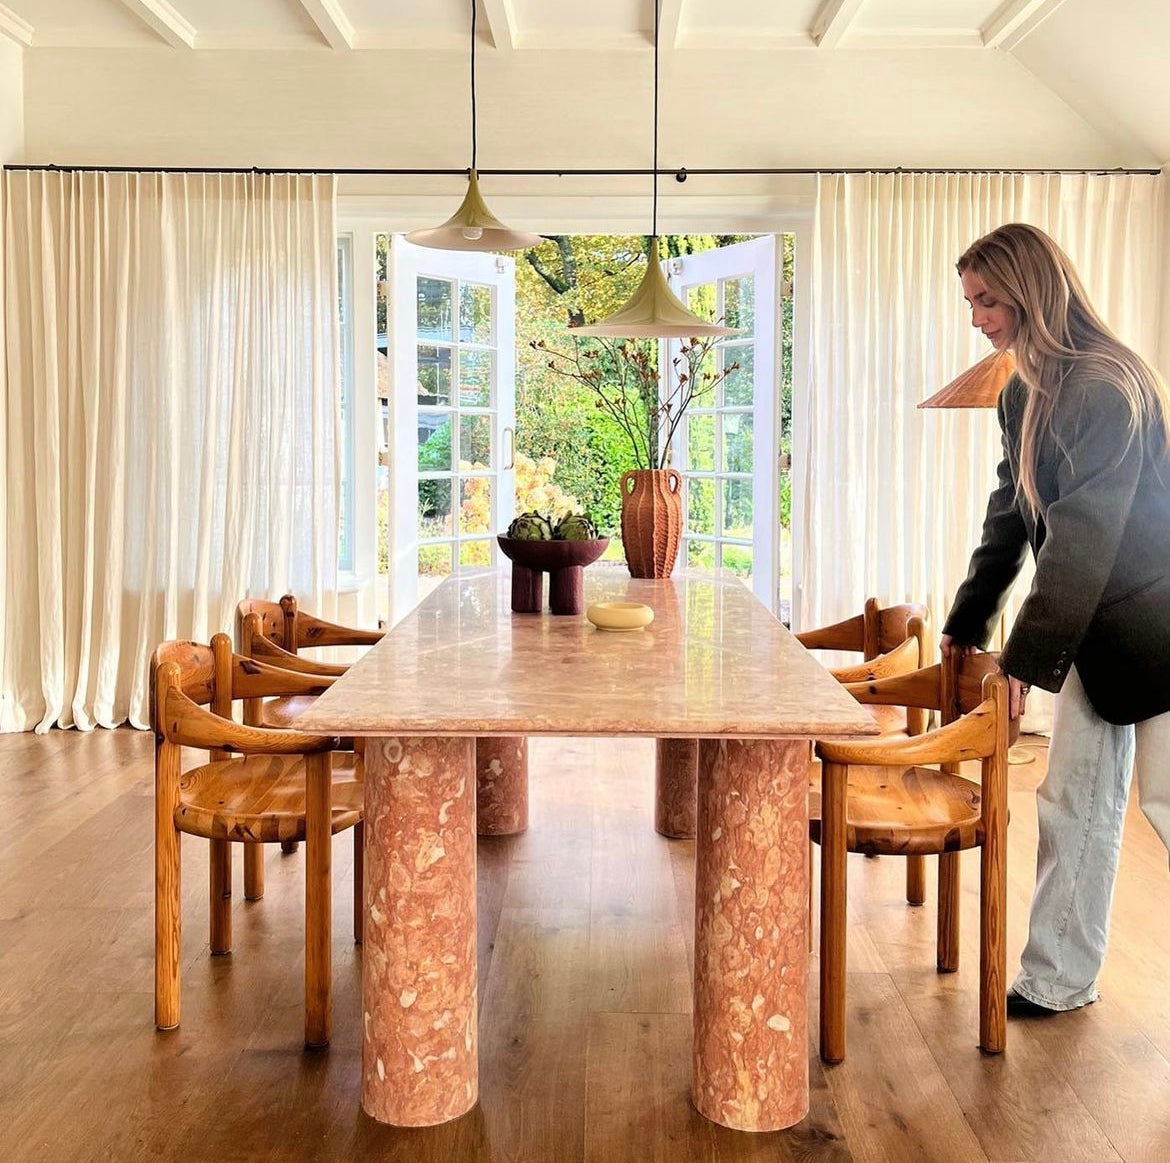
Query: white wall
x=11, y=150
x=915, y=108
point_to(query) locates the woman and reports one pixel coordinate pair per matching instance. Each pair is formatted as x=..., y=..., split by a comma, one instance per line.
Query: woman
x=1085, y=481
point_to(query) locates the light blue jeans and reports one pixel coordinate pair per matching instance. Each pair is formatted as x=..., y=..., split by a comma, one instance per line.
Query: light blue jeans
x=1081, y=815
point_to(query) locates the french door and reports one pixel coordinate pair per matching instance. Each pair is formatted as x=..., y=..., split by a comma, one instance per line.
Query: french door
x=451, y=414
x=727, y=448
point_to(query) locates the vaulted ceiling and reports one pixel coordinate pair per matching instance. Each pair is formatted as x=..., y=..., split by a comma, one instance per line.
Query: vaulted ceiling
x=1097, y=63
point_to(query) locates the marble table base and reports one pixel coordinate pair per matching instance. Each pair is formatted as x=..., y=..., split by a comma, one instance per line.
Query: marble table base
x=419, y=1016
x=676, y=774
x=751, y=941
x=501, y=784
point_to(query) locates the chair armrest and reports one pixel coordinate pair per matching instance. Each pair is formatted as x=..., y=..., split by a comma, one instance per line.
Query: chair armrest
x=971, y=737
x=190, y=725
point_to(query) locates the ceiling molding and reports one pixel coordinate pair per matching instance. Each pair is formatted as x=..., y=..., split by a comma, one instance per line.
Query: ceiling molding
x=331, y=22
x=1016, y=20
x=501, y=19
x=15, y=27
x=832, y=21
x=702, y=39
x=669, y=22
x=895, y=38
x=162, y=19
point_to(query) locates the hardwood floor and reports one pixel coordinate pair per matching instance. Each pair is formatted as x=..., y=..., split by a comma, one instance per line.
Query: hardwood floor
x=585, y=946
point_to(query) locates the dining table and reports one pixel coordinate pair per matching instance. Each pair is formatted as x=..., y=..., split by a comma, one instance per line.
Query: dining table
x=715, y=665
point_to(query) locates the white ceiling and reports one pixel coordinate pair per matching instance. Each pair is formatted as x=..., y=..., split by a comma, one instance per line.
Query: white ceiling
x=1103, y=61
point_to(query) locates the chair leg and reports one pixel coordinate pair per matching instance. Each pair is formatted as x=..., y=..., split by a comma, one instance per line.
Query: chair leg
x=167, y=920
x=993, y=941
x=359, y=881
x=253, y=872
x=948, y=912
x=833, y=891
x=220, y=910
x=318, y=899
x=812, y=900
x=916, y=880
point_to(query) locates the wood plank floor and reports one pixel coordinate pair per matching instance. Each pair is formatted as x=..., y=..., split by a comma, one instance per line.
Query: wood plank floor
x=585, y=950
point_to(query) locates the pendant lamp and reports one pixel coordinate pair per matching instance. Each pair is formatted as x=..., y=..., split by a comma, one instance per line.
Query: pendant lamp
x=978, y=386
x=473, y=226
x=653, y=311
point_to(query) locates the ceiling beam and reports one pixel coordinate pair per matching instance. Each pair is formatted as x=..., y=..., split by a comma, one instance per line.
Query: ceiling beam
x=15, y=27
x=331, y=21
x=1016, y=20
x=669, y=22
x=501, y=20
x=162, y=19
x=832, y=21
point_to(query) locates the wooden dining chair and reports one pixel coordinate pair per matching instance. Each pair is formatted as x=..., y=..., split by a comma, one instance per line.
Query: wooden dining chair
x=276, y=632
x=279, y=785
x=900, y=637
x=880, y=797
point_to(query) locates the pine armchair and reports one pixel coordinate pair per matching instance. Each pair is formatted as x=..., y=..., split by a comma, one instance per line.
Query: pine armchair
x=902, y=797
x=259, y=786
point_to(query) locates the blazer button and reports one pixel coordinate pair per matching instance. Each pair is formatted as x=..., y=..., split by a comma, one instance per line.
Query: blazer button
x=1056, y=671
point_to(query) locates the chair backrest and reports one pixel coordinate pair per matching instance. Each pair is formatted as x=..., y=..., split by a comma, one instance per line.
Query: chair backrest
x=290, y=628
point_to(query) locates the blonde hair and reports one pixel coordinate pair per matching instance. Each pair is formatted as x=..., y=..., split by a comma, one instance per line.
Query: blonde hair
x=1057, y=333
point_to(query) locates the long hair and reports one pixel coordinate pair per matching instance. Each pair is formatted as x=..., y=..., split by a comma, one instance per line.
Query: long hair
x=1058, y=333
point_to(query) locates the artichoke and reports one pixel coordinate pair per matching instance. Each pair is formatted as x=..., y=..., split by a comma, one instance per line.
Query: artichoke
x=531, y=527
x=576, y=527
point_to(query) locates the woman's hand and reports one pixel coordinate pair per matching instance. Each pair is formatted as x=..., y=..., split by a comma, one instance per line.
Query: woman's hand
x=948, y=646
x=1017, y=695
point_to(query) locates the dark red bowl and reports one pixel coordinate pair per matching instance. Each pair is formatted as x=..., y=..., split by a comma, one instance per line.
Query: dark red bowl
x=549, y=555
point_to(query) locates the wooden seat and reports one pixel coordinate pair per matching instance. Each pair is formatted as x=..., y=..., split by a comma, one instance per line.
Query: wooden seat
x=281, y=785
x=887, y=798
x=899, y=637
x=275, y=632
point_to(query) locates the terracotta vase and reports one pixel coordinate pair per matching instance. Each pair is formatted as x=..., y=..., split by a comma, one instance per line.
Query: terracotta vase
x=651, y=520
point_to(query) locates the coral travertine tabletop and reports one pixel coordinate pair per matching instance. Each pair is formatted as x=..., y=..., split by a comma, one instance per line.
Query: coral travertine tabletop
x=715, y=666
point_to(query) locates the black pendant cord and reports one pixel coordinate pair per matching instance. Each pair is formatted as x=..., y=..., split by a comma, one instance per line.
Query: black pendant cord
x=474, y=134
x=654, y=198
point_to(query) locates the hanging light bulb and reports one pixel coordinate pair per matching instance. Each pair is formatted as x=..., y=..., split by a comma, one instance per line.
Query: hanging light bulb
x=654, y=311
x=473, y=226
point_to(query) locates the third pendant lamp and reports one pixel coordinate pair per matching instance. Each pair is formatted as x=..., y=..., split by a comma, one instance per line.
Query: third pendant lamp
x=473, y=226
x=653, y=311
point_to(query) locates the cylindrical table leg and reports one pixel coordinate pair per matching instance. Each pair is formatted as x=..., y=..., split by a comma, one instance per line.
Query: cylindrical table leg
x=751, y=946
x=501, y=785
x=419, y=1058
x=676, y=776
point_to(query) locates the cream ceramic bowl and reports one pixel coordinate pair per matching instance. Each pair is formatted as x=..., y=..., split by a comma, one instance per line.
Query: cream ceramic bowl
x=619, y=615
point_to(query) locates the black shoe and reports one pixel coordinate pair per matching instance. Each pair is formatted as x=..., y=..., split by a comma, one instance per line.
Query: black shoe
x=1019, y=1006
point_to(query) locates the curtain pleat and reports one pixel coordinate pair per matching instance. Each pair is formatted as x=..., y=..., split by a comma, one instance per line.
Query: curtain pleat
x=172, y=423
x=893, y=497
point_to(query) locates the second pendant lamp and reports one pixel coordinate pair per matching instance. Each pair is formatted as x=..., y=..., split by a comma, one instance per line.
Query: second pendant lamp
x=654, y=311
x=473, y=226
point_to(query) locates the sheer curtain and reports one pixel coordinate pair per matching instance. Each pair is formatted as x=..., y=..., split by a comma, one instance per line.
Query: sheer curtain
x=893, y=498
x=172, y=422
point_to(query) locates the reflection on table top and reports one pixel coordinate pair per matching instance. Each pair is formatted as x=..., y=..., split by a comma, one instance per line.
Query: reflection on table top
x=714, y=662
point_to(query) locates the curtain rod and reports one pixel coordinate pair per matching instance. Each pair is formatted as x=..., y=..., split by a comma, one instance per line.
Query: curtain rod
x=680, y=174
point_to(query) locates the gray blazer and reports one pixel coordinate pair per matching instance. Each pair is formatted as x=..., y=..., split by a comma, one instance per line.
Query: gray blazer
x=1101, y=595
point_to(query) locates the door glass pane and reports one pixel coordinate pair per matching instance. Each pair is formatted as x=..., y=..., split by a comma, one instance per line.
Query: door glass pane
x=738, y=559
x=737, y=442
x=701, y=505
x=435, y=320
x=701, y=443
x=737, y=509
x=475, y=441
x=701, y=554
x=475, y=505
x=434, y=374
x=739, y=387
x=739, y=307
x=434, y=561
x=434, y=509
x=434, y=442
x=477, y=554
x=475, y=314
x=475, y=379
x=701, y=300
